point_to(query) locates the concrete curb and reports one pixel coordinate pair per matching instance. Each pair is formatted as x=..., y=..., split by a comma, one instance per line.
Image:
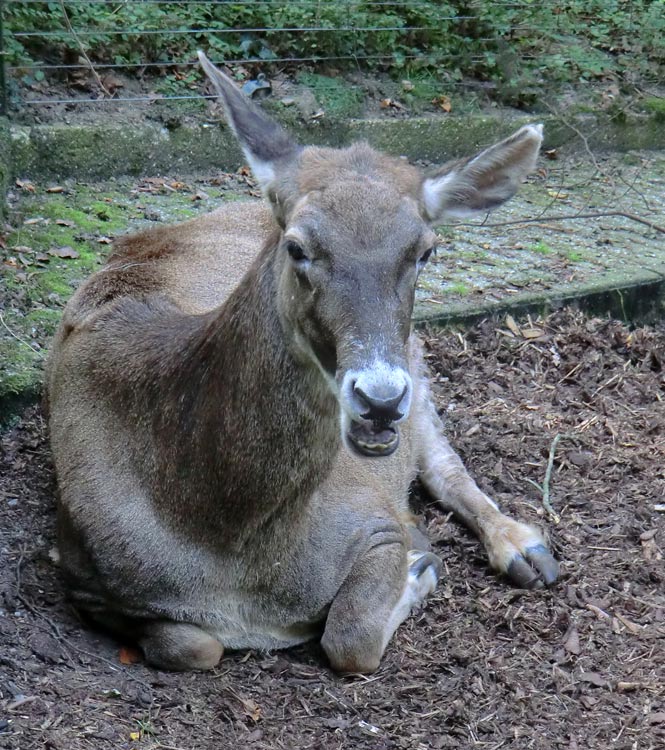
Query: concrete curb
x=109, y=150
x=640, y=301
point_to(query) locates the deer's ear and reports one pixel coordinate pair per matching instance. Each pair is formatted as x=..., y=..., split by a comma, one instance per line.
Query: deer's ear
x=484, y=182
x=267, y=147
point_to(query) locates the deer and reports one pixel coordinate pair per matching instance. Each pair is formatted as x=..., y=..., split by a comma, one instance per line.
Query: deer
x=238, y=406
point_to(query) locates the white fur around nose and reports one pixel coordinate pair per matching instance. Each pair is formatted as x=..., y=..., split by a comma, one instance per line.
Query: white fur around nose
x=379, y=380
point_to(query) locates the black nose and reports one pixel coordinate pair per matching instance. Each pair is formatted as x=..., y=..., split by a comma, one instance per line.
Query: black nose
x=380, y=409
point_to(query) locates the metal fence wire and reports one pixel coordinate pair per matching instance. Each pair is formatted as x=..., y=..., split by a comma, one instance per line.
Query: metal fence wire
x=80, y=44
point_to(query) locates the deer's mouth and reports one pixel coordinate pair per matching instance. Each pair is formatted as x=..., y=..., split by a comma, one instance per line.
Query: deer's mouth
x=373, y=438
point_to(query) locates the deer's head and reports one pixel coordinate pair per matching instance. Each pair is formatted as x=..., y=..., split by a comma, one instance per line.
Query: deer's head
x=356, y=230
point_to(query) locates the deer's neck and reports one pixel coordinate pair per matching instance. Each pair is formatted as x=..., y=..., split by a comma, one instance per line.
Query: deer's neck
x=263, y=424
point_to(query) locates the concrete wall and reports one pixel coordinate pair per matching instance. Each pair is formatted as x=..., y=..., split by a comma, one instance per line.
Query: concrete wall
x=108, y=150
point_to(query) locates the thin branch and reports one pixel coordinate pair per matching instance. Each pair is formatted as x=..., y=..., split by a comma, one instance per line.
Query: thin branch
x=592, y=156
x=545, y=487
x=566, y=217
x=19, y=339
x=82, y=50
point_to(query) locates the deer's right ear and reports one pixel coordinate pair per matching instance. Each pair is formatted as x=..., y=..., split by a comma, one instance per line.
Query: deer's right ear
x=478, y=185
x=267, y=147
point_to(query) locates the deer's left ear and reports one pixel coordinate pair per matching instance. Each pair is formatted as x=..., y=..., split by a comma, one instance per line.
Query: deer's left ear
x=268, y=149
x=484, y=182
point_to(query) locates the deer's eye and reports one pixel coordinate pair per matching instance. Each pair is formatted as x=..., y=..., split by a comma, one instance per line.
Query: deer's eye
x=295, y=251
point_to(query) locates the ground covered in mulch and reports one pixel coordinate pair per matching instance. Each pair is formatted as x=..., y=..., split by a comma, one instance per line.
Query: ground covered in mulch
x=483, y=664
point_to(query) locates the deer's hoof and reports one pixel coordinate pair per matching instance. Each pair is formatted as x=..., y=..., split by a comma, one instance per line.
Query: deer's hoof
x=534, y=567
x=424, y=572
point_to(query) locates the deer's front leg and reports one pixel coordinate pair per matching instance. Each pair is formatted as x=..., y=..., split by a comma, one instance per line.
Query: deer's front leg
x=513, y=547
x=382, y=588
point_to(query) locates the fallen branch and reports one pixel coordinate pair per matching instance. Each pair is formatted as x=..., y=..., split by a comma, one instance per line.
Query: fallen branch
x=567, y=217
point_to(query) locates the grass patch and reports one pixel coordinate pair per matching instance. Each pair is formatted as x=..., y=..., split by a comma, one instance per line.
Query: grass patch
x=459, y=288
x=541, y=248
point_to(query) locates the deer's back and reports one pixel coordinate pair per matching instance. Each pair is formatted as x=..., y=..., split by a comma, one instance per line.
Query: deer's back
x=198, y=263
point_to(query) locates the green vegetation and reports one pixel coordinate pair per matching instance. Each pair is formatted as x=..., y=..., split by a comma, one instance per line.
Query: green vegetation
x=336, y=97
x=540, y=248
x=574, y=256
x=517, y=46
x=458, y=288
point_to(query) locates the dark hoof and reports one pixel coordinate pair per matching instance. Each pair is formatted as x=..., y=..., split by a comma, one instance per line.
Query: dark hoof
x=424, y=561
x=535, y=568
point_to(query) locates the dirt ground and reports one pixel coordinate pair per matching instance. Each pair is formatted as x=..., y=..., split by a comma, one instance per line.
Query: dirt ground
x=483, y=664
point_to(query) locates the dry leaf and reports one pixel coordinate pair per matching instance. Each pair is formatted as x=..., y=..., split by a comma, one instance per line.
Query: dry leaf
x=55, y=189
x=572, y=642
x=63, y=252
x=512, y=325
x=65, y=223
x=25, y=185
x=634, y=628
x=443, y=102
x=251, y=708
x=391, y=104
x=532, y=333
x=128, y=655
x=593, y=678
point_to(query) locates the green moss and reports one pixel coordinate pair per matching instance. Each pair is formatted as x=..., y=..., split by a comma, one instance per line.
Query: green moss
x=540, y=248
x=575, y=256
x=458, y=288
x=654, y=104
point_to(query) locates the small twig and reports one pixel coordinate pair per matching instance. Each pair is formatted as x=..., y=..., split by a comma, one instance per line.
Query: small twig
x=82, y=50
x=566, y=217
x=545, y=487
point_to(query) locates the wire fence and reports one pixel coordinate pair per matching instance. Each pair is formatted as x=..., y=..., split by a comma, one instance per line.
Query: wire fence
x=58, y=53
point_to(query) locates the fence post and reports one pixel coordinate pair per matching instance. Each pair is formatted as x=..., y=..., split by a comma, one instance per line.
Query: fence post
x=3, y=82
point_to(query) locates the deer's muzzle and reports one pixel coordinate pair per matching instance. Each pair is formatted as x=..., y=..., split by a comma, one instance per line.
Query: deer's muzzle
x=374, y=401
